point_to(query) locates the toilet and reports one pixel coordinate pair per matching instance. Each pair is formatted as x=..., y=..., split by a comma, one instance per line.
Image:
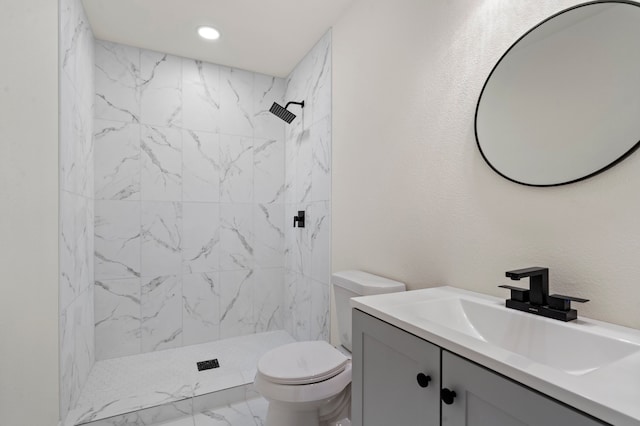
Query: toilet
x=309, y=383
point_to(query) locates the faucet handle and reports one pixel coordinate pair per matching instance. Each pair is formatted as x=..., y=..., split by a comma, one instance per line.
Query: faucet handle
x=517, y=293
x=563, y=303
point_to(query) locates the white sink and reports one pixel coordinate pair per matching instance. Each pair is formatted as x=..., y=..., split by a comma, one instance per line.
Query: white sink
x=565, y=346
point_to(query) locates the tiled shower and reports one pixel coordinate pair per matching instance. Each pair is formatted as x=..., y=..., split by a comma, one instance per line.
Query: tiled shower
x=177, y=201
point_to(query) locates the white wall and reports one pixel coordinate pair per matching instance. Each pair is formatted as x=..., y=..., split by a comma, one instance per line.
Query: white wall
x=29, y=213
x=412, y=197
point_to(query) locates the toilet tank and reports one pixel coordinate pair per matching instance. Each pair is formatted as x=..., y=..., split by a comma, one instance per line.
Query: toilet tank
x=348, y=284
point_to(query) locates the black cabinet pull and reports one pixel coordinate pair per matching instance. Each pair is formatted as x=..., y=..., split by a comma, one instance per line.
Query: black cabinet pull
x=423, y=380
x=447, y=396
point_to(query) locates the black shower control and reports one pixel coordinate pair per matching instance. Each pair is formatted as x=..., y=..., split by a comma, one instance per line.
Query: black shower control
x=208, y=364
x=299, y=220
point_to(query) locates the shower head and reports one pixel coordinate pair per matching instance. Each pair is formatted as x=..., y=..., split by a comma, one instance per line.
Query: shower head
x=284, y=113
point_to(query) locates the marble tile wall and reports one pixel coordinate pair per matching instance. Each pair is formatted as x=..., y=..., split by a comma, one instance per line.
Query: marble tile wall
x=308, y=188
x=76, y=88
x=190, y=201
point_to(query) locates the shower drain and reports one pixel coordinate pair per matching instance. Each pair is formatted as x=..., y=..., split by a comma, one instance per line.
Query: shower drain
x=208, y=364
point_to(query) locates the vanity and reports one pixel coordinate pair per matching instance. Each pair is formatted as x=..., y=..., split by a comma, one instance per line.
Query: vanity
x=446, y=356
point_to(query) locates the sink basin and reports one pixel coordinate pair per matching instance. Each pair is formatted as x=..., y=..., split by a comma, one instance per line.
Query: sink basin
x=564, y=346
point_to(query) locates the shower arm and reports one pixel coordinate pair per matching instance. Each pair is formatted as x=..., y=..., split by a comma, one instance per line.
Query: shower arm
x=294, y=103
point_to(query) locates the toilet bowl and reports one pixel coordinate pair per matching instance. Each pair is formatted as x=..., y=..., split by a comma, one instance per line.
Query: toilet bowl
x=306, y=383
x=309, y=383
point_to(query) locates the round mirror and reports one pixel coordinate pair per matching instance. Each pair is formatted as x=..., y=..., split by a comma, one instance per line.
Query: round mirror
x=563, y=103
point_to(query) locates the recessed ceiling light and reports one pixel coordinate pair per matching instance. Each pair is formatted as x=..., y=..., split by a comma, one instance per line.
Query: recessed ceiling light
x=208, y=33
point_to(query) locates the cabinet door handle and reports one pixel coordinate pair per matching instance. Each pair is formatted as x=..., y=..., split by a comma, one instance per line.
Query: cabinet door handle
x=423, y=380
x=447, y=396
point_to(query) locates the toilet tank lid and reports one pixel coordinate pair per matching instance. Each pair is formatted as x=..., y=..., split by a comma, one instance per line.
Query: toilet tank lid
x=365, y=284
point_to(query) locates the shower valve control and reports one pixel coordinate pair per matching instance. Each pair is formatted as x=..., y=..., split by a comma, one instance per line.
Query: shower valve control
x=299, y=220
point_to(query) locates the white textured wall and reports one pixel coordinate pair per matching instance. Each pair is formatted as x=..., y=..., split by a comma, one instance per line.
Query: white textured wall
x=29, y=213
x=412, y=197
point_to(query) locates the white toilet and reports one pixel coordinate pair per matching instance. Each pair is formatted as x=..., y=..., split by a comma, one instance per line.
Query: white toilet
x=309, y=383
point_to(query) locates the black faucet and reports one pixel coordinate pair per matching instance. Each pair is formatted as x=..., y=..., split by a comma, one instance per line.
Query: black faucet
x=536, y=299
x=538, y=283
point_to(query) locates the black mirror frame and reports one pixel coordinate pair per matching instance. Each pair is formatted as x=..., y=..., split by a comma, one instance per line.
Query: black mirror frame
x=475, y=119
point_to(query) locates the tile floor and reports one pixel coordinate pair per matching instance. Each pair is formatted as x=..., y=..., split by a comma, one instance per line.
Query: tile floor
x=246, y=413
x=148, y=388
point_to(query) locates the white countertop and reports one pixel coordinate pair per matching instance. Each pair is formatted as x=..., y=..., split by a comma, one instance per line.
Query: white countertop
x=610, y=393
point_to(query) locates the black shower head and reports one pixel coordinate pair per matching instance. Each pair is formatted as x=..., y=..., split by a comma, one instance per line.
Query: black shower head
x=284, y=113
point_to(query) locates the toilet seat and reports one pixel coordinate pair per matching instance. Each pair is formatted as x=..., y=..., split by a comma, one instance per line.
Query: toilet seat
x=304, y=393
x=301, y=363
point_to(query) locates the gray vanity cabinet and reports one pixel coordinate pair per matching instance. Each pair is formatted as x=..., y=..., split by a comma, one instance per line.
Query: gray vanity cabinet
x=385, y=386
x=484, y=398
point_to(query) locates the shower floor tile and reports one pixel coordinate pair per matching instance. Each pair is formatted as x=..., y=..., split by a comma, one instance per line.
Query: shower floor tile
x=170, y=378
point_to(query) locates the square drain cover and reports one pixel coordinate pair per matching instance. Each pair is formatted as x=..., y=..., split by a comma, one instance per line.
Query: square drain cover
x=208, y=365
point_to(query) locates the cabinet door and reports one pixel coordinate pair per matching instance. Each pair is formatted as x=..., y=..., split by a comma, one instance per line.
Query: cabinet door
x=484, y=398
x=386, y=365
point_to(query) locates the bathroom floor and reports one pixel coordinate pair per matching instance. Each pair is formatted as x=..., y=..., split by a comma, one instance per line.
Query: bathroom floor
x=159, y=386
x=251, y=412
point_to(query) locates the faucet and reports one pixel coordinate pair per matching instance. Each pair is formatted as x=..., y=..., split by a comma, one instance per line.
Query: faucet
x=538, y=283
x=536, y=299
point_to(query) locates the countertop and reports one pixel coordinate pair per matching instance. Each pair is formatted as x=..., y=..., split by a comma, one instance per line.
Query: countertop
x=610, y=393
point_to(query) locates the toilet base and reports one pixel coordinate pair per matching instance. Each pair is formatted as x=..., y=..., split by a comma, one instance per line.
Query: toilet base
x=328, y=412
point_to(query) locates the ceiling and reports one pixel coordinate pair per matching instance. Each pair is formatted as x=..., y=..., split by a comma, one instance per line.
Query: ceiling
x=266, y=36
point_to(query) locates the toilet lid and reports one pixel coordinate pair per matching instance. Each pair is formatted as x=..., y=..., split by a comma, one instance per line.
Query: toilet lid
x=302, y=363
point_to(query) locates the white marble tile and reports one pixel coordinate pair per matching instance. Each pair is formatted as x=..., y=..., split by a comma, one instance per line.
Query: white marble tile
x=122, y=385
x=76, y=146
x=267, y=90
x=201, y=240
x=268, y=170
x=268, y=302
x=320, y=241
x=176, y=414
x=84, y=243
x=117, y=318
x=320, y=316
x=321, y=160
x=297, y=308
x=117, y=239
x=161, y=163
x=83, y=312
x=236, y=100
x=321, y=78
x=201, y=308
x=247, y=413
x=201, y=95
x=76, y=46
x=69, y=286
x=160, y=89
x=68, y=135
x=117, y=160
x=304, y=161
x=69, y=378
x=185, y=421
x=117, y=79
x=269, y=231
x=236, y=175
x=237, y=241
x=161, y=231
x=161, y=301
x=201, y=166
x=236, y=303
